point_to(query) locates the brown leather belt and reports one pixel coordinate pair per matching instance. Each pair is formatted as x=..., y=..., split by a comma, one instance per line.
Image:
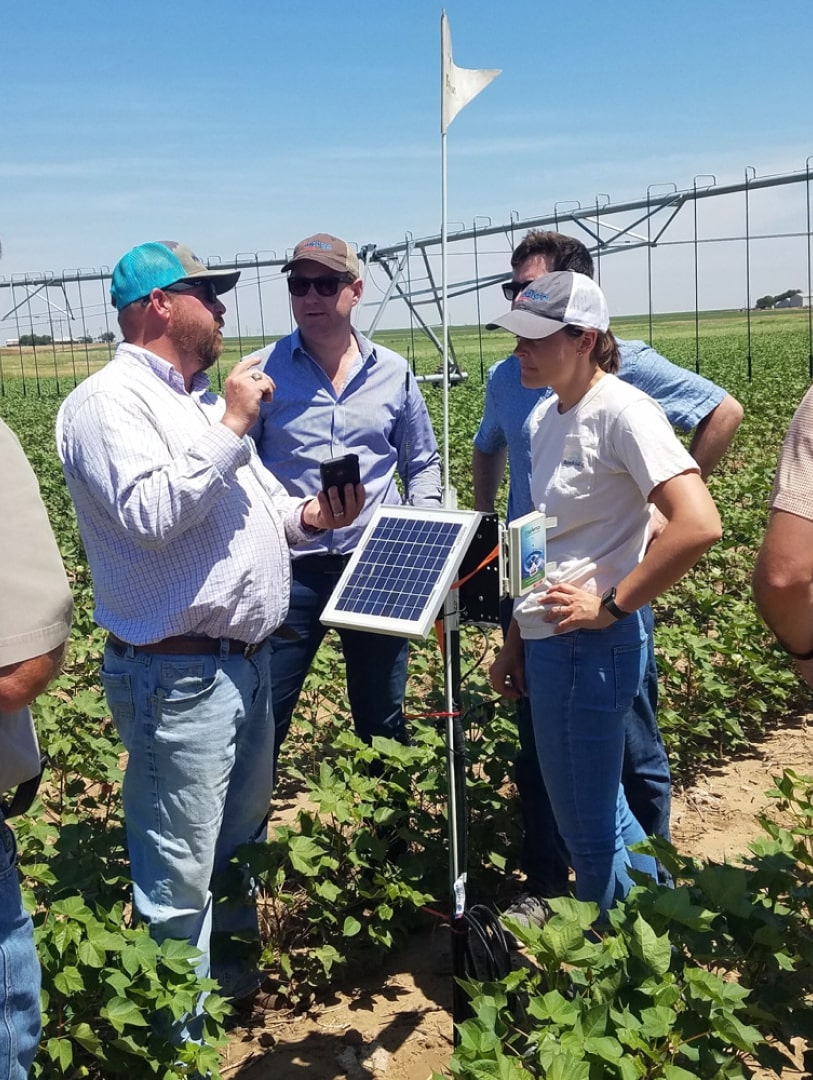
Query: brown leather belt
x=188, y=645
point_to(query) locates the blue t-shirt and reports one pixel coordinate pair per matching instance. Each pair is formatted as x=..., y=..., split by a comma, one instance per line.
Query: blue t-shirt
x=685, y=397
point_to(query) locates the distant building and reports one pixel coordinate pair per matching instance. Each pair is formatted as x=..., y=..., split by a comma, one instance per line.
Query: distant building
x=796, y=301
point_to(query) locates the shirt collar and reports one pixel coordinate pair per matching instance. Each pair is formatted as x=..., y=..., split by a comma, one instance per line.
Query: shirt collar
x=164, y=370
x=366, y=347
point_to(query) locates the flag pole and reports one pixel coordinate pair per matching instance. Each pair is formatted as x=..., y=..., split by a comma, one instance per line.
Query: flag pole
x=457, y=87
x=455, y=740
x=451, y=613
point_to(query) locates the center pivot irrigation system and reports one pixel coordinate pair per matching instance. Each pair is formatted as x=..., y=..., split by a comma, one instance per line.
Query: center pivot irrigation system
x=73, y=304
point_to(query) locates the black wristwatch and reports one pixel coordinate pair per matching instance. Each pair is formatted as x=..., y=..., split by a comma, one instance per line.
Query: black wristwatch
x=608, y=602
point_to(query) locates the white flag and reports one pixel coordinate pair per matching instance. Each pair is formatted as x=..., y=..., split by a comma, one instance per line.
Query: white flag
x=457, y=85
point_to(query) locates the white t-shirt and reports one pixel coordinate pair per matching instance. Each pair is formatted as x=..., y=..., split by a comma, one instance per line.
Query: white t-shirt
x=593, y=468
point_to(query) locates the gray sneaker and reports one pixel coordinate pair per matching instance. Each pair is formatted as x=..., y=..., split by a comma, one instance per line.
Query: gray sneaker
x=528, y=910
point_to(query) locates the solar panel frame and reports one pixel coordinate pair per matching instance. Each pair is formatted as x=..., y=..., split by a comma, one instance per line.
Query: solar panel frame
x=397, y=578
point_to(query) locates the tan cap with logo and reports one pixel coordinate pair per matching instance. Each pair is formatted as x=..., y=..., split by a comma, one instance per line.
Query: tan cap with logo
x=328, y=250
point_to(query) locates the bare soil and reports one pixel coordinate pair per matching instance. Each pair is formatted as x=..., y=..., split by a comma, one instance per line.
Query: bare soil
x=396, y=1023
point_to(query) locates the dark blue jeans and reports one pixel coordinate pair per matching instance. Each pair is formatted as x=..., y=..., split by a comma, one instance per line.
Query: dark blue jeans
x=645, y=777
x=375, y=664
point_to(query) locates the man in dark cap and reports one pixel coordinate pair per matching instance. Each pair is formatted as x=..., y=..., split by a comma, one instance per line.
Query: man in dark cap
x=187, y=536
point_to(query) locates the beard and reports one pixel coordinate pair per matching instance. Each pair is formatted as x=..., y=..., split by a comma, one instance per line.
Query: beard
x=193, y=337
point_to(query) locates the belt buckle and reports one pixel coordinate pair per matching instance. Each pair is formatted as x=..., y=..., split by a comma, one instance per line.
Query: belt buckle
x=250, y=650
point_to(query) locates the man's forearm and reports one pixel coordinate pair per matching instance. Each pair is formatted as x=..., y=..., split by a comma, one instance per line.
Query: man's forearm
x=488, y=471
x=21, y=683
x=714, y=433
x=783, y=580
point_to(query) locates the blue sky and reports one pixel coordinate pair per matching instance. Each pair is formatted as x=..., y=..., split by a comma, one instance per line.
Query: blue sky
x=243, y=127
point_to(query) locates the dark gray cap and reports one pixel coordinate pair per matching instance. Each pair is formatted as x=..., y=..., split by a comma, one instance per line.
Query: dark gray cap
x=553, y=301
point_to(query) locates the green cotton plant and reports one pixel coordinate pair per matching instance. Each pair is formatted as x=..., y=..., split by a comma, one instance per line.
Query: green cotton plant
x=347, y=876
x=709, y=979
x=321, y=711
x=618, y=1005
x=110, y=994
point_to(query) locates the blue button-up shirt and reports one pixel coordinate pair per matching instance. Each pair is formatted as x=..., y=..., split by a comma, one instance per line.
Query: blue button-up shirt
x=379, y=414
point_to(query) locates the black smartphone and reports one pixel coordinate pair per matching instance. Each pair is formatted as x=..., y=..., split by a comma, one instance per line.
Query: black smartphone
x=338, y=471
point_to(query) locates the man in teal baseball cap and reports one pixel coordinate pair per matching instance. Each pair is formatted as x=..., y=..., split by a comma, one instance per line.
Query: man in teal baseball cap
x=164, y=264
x=188, y=538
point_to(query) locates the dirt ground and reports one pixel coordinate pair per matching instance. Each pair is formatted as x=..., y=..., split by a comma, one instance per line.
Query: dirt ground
x=397, y=1024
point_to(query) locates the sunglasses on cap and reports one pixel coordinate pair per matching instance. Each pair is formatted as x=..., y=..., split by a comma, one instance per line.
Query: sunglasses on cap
x=328, y=285
x=512, y=289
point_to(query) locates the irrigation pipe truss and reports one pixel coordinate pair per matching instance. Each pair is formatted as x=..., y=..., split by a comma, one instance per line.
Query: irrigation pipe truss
x=607, y=229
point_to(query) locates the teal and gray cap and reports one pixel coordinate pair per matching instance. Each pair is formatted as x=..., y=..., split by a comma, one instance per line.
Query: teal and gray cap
x=159, y=264
x=561, y=298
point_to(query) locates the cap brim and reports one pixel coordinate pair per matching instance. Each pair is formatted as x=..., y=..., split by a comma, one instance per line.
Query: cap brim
x=224, y=280
x=526, y=325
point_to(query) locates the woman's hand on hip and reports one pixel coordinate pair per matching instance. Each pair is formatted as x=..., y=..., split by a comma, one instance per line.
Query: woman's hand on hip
x=571, y=608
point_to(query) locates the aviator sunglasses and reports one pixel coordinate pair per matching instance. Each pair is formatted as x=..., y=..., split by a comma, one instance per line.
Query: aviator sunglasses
x=328, y=285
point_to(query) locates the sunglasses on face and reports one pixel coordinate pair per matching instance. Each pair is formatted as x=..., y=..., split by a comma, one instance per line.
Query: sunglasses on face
x=512, y=289
x=207, y=286
x=324, y=286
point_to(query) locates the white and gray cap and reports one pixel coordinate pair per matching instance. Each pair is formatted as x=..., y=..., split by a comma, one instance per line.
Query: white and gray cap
x=553, y=301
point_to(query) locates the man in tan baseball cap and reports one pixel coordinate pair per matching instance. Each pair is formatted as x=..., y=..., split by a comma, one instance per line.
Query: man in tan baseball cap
x=328, y=250
x=337, y=393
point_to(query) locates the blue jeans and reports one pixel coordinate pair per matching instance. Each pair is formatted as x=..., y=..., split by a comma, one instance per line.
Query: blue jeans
x=375, y=664
x=581, y=686
x=645, y=775
x=19, y=970
x=200, y=736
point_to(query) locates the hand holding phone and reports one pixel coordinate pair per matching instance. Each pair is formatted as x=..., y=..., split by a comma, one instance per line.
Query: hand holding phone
x=336, y=472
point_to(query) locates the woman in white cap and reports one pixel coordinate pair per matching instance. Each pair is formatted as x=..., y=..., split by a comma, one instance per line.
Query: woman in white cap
x=603, y=454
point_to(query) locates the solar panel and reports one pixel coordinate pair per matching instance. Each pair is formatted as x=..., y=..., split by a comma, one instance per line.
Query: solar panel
x=398, y=576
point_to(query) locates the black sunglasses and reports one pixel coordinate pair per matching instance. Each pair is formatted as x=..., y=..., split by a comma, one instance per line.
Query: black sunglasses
x=208, y=286
x=512, y=289
x=325, y=286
